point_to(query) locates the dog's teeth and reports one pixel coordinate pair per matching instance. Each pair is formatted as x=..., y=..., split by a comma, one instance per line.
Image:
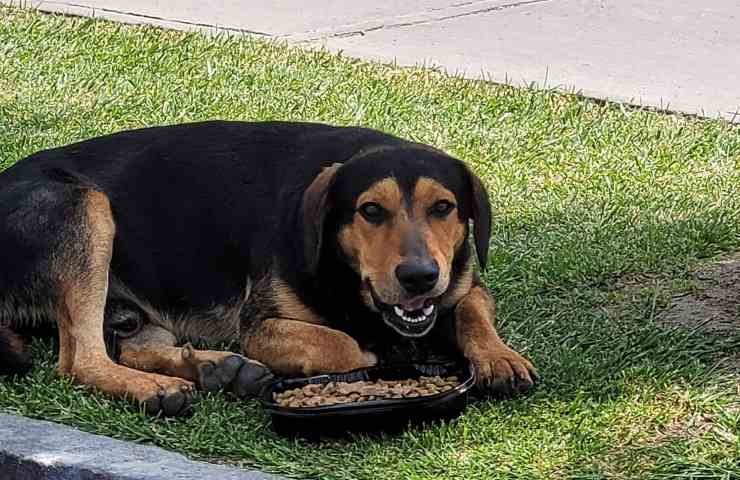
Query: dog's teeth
x=415, y=320
x=405, y=315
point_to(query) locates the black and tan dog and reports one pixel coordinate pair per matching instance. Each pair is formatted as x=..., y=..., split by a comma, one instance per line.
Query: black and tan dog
x=319, y=249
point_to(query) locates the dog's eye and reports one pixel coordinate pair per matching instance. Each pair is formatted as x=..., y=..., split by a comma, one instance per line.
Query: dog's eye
x=442, y=208
x=372, y=212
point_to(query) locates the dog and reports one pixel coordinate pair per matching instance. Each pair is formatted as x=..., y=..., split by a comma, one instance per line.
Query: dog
x=316, y=248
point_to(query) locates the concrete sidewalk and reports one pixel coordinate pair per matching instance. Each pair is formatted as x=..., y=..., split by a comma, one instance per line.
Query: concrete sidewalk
x=678, y=55
x=37, y=450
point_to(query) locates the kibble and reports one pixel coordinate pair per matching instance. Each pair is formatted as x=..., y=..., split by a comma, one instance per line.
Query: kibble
x=338, y=393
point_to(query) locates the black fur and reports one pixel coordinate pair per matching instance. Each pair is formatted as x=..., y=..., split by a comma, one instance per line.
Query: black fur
x=200, y=208
x=482, y=216
x=14, y=360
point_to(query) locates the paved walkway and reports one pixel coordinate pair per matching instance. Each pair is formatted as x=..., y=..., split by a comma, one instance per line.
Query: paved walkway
x=680, y=55
x=37, y=450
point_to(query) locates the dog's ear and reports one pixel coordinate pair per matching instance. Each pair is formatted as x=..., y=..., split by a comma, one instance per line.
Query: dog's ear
x=314, y=208
x=481, y=213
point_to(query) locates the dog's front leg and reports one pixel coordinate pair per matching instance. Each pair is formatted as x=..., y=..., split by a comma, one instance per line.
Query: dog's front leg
x=499, y=368
x=294, y=348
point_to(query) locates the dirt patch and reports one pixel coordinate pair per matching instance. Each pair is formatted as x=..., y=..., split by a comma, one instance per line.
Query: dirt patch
x=693, y=427
x=714, y=306
x=730, y=362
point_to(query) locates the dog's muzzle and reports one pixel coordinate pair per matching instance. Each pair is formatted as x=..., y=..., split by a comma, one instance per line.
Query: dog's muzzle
x=412, y=319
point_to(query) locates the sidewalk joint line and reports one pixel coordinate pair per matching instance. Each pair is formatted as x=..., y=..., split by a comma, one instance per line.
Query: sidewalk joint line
x=361, y=28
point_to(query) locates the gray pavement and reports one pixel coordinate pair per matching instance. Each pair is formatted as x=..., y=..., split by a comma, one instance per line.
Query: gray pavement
x=681, y=55
x=37, y=450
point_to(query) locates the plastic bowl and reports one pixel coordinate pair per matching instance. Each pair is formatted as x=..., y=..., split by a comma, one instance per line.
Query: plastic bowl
x=370, y=416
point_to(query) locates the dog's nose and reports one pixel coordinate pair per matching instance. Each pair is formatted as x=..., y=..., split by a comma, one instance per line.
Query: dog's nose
x=418, y=277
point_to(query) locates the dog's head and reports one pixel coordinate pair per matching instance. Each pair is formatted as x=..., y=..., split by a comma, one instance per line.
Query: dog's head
x=399, y=216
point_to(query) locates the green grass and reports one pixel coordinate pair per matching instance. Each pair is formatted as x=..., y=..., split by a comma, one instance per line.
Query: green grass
x=584, y=194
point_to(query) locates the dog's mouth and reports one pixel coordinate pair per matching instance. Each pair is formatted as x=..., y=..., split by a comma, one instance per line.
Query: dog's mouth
x=412, y=319
x=410, y=323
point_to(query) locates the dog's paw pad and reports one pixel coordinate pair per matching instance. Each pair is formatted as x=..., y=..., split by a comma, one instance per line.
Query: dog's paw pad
x=252, y=378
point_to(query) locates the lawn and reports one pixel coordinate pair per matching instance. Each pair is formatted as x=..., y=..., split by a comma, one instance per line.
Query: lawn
x=601, y=212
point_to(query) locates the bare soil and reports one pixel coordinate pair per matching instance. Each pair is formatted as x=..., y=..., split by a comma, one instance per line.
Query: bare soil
x=713, y=307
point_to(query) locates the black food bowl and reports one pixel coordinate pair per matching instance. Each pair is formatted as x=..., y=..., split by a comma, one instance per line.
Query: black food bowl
x=385, y=415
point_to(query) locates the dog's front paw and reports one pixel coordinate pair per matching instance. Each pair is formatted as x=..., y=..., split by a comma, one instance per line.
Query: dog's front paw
x=502, y=371
x=252, y=378
x=215, y=371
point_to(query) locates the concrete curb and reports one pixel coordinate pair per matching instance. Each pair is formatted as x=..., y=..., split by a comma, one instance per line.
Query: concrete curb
x=39, y=450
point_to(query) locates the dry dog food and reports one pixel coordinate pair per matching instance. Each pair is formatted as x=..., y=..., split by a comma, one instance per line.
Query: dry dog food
x=335, y=393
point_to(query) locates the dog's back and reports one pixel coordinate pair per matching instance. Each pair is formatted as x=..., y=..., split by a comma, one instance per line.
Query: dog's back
x=193, y=204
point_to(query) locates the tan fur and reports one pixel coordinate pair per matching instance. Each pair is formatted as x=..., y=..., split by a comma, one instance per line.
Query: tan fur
x=84, y=293
x=82, y=350
x=447, y=234
x=376, y=250
x=289, y=306
x=295, y=348
x=153, y=350
x=165, y=360
x=495, y=363
x=386, y=192
x=443, y=236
